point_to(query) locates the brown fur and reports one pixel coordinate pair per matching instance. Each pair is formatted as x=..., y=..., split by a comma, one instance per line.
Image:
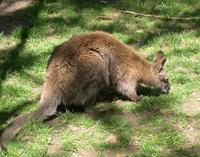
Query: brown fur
x=79, y=68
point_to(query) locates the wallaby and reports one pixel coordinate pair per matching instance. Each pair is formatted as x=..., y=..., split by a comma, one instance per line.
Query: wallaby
x=80, y=67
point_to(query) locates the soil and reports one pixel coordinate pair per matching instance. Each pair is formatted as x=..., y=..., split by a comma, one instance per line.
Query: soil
x=10, y=6
x=54, y=147
x=192, y=105
x=85, y=153
x=12, y=14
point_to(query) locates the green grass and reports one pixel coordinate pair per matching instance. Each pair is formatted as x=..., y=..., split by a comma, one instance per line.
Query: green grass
x=154, y=126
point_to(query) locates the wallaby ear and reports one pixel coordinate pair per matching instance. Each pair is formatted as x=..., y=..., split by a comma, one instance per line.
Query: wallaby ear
x=158, y=62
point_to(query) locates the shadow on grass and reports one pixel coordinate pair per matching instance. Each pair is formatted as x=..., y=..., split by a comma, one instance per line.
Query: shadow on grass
x=79, y=19
x=20, y=18
x=155, y=104
x=13, y=60
x=125, y=125
x=118, y=25
x=161, y=28
x=116, y=121
x=108, y=119
x=7, y=114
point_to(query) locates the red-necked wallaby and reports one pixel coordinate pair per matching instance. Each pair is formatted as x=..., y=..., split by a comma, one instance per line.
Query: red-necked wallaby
x=79, y=68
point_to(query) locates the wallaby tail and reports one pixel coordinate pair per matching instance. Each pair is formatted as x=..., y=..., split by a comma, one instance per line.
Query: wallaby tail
x=48, y=105
x=12, y=129
x=48, y=108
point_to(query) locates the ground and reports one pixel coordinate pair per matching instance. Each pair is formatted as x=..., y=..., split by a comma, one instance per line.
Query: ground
x=158, y=125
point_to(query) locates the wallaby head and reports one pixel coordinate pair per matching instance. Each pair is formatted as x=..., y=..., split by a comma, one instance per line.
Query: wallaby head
x=160, y=77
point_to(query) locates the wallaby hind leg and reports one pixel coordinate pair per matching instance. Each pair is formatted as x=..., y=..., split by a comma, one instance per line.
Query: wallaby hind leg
x=47, y=108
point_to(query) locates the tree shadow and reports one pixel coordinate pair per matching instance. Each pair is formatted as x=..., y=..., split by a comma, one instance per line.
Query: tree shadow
x=14, y=111
x=11, y=60
x=161, y=28
x=36, y=80
x=20, y=18
x=124, y=125
x=112, y=117
x=150, y=105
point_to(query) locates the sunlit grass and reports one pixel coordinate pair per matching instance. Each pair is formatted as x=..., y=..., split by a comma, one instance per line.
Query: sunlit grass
x=23, y=58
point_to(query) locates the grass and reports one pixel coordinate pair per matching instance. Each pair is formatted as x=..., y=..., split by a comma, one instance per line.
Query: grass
x=153, y=127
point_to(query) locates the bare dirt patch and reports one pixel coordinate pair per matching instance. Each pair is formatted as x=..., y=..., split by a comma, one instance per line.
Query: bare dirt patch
x=133, y=119
x=55, y=122
x=191, y=133
x=85, y=153
x=8, y=44
x=54, y=147
x=9, y=6
x=13, y=14
x=112, y=139
x=187, y=71
x=192, y=105
x=131, y=149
